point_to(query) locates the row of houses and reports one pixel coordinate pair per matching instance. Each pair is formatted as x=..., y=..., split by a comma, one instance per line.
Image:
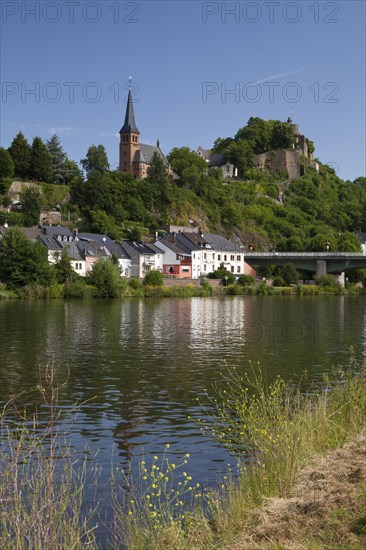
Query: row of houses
x=180, y=253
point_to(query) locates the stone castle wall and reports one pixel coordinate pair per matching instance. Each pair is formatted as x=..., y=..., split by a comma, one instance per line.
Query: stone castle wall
x=277, y=161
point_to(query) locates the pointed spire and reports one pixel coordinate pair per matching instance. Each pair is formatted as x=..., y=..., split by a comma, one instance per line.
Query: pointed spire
x=130, y=124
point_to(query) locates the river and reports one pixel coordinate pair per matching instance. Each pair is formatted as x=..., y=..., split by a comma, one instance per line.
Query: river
x=140, y=364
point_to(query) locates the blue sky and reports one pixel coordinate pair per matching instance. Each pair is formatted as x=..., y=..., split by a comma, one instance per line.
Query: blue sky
x=305, y=59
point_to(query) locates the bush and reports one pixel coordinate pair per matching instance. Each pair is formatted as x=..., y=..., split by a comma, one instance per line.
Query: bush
x=106, y=278
x=75, y=289
x=246, y=280
x=153, y=278
x=278, y=281
x=135, y=283
x=6, y=201
x=290, y=274
x=222, y=273
x=326, y=281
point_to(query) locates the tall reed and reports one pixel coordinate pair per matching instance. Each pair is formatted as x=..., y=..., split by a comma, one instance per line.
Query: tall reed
x=42, y=480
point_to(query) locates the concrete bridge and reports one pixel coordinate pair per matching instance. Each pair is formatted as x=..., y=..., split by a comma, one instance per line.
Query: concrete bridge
x=320, y=263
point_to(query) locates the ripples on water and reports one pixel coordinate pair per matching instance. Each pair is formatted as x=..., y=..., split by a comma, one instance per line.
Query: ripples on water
x=139, y=365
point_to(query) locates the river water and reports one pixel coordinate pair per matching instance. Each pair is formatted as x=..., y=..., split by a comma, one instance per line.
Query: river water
x=140, y=365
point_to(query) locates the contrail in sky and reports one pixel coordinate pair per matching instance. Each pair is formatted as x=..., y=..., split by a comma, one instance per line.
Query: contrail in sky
x=278, y=76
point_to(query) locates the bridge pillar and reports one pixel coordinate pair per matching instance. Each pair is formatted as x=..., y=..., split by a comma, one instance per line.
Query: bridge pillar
x=340, y=278
x=321, y=267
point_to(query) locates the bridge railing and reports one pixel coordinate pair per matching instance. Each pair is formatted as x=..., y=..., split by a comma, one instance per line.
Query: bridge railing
x=313, y=255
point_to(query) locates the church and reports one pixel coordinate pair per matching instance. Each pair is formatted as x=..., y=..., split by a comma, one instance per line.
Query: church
x=135, y=157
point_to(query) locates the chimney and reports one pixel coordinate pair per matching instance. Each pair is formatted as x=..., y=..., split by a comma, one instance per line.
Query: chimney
x=173, y=237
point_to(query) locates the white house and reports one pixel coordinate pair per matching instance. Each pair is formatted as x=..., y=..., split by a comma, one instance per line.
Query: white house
x=144, y=257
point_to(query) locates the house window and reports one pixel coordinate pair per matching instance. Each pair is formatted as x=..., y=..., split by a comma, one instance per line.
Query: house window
x=205, y=256
x=194, y=257
x=225, y=258
x=185, y=269
x=213, y=256
x=232, y=269
x=204, y=268
x=219, y=257
x=238, y=258
x=238, y=269
x=232, y=258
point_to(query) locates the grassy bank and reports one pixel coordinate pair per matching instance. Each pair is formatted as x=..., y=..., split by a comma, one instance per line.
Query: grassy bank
x=79, y=289
x=276, y=431
x=301, y=482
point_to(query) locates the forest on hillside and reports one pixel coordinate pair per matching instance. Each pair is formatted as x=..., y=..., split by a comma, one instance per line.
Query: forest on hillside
x=314, y=209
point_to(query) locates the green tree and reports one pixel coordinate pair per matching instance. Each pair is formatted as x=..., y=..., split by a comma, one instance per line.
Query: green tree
x=221, y=144
x=257, y=133
x=58, y=159
x=63, y=267
x=311, y=146
x=282, y=136
x=240, y=154
x=96, y=160
x=72, y=172
x=41, y=161
x=23, y=262
x=226, y=276
x=160, y=188
x=21, y=152
x=106, y=278
x=290, y=274
x=246, y=280
x=182, y=160
x=6, y=164
x=153, y=278
x=31, y=200
x=348, y=242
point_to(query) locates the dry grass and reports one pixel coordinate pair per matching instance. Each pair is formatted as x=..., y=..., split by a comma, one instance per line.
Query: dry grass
x=42, y=480
x=326, y=508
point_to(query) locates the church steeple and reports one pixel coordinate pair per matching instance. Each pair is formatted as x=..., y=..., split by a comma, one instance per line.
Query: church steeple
x=129, y=124
x=129, y=145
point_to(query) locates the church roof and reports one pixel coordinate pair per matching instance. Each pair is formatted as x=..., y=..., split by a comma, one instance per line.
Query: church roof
x=217, y=159
x=146, y=153
x=130, y=124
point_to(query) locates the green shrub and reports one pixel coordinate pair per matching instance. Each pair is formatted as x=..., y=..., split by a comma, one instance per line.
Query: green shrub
x=308, y=290
x=326, y=281
x=246, y=280
x=153, y=278
x=135, y=283
x=106, y=278
x=226, y=276
x=74, y=289
x=278, y=281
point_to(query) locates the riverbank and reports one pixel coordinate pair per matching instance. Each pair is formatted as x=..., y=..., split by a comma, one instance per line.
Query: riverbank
x=325, y=509
x=301, y=479
x=134, y=288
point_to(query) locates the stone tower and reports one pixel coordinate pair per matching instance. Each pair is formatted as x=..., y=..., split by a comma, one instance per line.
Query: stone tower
x=129, y=140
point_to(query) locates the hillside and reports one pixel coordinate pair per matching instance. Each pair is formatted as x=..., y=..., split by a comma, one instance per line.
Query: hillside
x=281, y=198
x=315, y=209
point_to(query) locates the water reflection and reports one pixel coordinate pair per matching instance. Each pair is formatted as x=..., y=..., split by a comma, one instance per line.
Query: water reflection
x=140, y=364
